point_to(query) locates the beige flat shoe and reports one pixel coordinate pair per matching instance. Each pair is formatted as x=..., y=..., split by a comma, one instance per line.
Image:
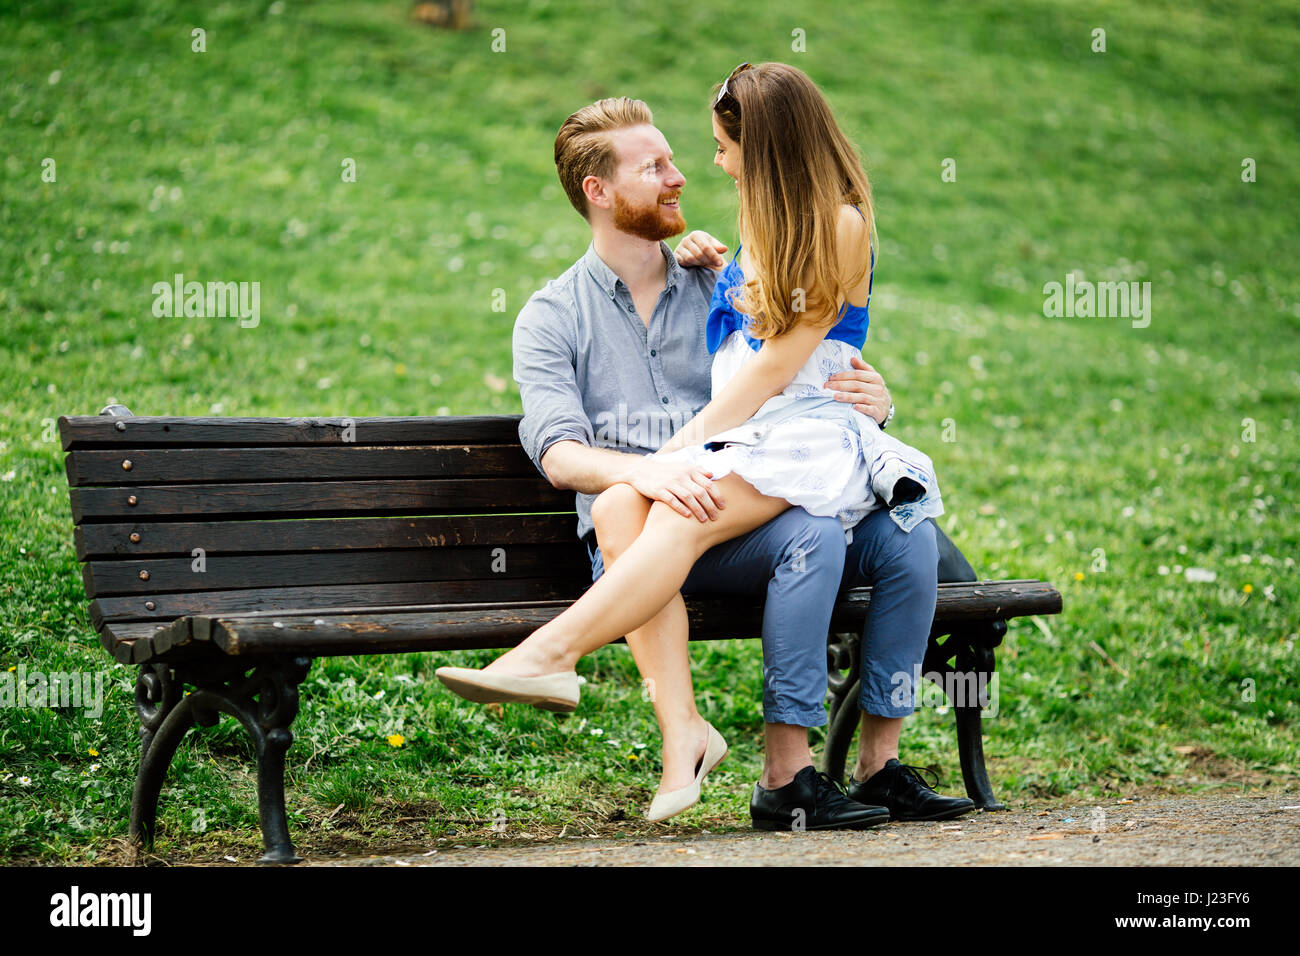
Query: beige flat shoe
x=665, y=805
x=556, y=692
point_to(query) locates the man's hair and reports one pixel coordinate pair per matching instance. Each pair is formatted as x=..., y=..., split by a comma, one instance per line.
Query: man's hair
x=583, y=146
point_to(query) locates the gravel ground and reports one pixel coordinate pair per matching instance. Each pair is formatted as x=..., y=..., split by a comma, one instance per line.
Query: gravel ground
x=1234, y=830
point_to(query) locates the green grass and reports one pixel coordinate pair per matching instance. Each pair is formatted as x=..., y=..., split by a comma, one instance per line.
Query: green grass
x=1104, y=458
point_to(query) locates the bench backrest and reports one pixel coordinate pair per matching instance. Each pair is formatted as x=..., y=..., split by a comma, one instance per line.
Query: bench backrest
x=180, y=516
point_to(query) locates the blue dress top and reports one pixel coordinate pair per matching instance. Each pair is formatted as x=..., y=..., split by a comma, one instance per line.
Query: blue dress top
x=724, y=319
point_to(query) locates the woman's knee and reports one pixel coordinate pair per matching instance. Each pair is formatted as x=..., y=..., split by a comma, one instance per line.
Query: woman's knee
x=689, y=532
x=618, y=514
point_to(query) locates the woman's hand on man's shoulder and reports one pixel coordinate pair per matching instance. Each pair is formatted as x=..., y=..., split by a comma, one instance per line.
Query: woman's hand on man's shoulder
x=700, y=249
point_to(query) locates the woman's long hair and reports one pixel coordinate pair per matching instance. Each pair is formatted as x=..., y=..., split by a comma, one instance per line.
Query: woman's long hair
x=797, y=170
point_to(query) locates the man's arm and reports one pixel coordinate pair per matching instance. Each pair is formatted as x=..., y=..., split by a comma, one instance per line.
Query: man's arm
x=557, y=435
x=573, y=466
x=688, y=490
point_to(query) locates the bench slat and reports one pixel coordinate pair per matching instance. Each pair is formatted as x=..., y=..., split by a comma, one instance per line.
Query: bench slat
x=448, y=629
x=168, y=607
x=319, y=498
x=133, y=643
x=426, y=628
x=320, y=534
x=711, y=618
x=169, y=575
x=965, y=601
x=337, y=462
x=96, y=431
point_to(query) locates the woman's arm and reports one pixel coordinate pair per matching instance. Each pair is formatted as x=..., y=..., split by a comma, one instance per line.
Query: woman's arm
x=779, y=359
x=772, y=369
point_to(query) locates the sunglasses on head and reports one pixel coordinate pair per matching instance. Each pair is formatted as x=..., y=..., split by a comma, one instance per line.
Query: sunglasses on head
x=724, y=93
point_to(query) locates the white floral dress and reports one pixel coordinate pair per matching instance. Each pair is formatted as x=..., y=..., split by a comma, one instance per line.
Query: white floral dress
x=803, y=445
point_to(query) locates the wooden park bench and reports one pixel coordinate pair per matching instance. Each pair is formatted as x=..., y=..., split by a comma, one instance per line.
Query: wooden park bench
x=225, y=554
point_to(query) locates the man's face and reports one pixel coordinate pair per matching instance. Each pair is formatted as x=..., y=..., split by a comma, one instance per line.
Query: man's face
x=647, y=187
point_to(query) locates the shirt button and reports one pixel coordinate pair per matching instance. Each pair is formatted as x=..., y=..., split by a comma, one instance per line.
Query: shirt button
x=665, y=399
x=652, y=353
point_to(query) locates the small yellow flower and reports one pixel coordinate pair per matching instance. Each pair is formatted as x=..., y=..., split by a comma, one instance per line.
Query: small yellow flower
x=93, y=752
x=399, y=369
x=13, y=668
x=636, y=757
x=1078, y=575
x=395, y=740
x=1248, y=589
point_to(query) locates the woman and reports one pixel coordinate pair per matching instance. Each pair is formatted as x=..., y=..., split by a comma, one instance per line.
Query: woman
x=787, y=314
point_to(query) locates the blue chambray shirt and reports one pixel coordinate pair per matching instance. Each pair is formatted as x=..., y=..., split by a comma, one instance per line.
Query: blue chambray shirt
x=590, y=370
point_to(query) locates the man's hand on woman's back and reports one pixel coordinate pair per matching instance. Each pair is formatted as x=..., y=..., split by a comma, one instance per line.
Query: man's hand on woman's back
x=864, y=387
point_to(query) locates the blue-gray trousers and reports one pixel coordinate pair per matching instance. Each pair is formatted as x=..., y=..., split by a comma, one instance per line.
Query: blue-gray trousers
x=800, y=563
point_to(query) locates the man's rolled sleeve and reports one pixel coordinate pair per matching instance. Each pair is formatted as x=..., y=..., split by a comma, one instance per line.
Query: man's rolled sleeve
x=545, y=360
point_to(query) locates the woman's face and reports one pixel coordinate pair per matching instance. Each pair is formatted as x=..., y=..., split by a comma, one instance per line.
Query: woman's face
x=728, y=155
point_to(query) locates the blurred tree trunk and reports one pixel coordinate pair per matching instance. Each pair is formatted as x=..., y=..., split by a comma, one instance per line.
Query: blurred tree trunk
x=451, y=14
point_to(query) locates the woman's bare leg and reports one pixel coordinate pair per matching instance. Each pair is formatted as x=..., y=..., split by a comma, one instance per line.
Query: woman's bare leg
x=659, y=647
x=647, y=576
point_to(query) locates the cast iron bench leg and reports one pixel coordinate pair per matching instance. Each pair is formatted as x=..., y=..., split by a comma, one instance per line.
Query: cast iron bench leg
x=844, y=653
x=162, y=727
x=970, y=733
x=265, y=702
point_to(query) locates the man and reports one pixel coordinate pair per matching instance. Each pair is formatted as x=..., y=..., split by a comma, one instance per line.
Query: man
x=611, y=360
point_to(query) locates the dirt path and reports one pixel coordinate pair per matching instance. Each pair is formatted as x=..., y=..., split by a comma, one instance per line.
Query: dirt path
x=1232, y=830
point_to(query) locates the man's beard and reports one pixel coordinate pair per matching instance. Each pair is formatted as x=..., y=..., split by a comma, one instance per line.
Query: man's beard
x=647, y=221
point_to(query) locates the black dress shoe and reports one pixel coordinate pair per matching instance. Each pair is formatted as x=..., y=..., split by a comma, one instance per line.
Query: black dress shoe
x=908, y=797
x=811, y=801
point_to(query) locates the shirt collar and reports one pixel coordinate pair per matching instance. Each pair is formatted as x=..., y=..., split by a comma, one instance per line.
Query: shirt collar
x=609, y=282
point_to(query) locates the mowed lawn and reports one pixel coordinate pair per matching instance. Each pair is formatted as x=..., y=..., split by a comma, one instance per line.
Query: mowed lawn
x=1147, y=470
